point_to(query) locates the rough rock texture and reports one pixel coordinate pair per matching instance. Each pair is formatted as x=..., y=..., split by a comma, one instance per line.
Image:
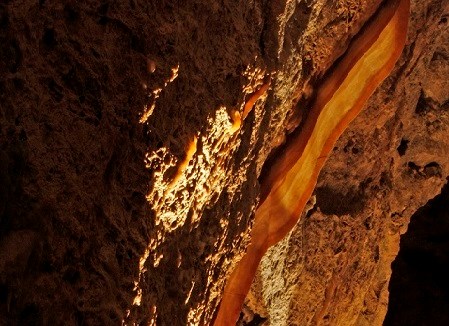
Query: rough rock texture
x=334, y=267
x=127, y=182
x=93, y=231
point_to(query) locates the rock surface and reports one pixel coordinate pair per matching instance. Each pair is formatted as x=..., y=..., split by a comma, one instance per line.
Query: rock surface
x=334, y=267
x=128, y=181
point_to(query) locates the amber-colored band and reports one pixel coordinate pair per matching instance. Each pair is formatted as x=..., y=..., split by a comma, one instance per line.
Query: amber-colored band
x=293, y=175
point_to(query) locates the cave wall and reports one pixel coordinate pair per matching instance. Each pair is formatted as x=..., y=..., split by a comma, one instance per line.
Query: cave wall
x=334, y=267
x=127, y=185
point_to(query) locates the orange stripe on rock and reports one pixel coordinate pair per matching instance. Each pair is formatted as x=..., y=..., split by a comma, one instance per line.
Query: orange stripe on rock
x=191, y=150
x=254, y=97
x=293, y=175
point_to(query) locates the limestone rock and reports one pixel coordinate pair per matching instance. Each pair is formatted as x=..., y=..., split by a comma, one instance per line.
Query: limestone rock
x=129, y=173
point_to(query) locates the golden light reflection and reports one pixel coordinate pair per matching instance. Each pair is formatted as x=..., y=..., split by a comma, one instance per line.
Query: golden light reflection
x=148, y=110
x=183, y=186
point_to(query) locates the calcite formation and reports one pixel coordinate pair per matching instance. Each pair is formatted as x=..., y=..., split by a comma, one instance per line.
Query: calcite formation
x=293, y=174
x=334, y=267
x=133, y=135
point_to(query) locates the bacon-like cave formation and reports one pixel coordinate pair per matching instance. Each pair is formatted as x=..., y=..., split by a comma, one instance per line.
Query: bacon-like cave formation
x=292, y=177
x=140, y=145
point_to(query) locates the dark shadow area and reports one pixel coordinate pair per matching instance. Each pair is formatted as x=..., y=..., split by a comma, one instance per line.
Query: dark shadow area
x=419, y=286
x=331, y=201
x=75, y=79
x=250, y=318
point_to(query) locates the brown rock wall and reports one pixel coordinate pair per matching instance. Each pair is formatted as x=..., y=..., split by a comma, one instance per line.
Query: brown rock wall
x=107, y=216
x=334, y=267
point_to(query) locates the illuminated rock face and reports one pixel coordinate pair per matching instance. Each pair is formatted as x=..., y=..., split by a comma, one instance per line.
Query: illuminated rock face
x=334, y=267
x=133, y=134
x=293, y=174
